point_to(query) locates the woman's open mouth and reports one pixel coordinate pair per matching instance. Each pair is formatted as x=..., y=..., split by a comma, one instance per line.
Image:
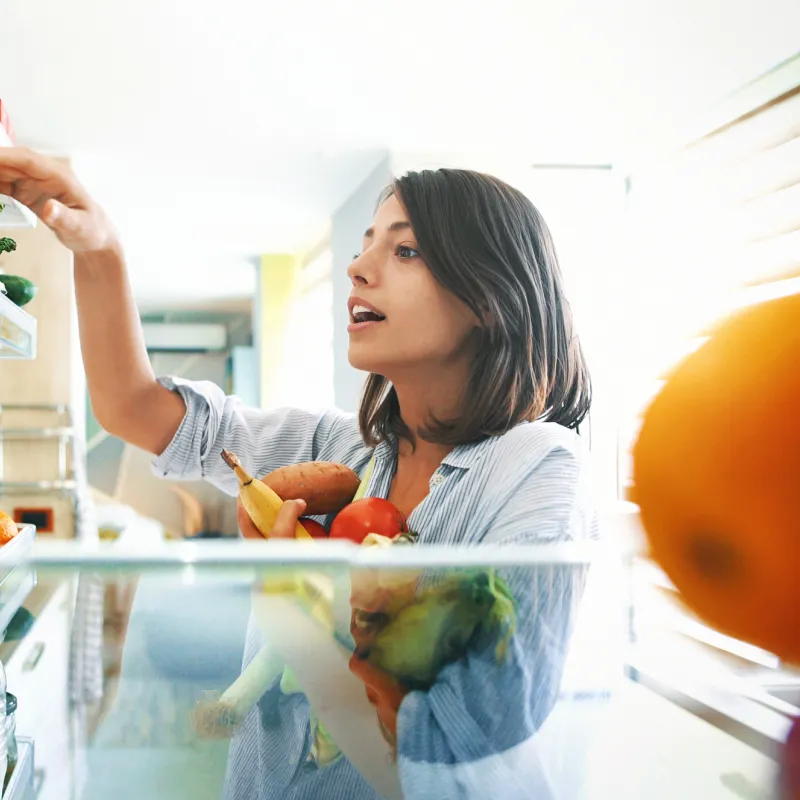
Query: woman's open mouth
x=363, y=315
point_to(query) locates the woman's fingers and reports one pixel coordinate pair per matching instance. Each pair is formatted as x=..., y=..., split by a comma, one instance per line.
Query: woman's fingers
x=18, y=164
x=246, y=526
x=6, y=187
x=54, y=194
x=27, y=192
x=285, y=524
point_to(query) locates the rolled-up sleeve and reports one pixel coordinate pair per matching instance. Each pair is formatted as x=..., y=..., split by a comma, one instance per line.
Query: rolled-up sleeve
x=472, y=733
x=263, y=440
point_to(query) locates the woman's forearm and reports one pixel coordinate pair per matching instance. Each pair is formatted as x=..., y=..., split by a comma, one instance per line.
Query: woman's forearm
x=126, y=398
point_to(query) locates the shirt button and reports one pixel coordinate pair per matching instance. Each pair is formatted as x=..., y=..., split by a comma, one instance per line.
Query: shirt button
x=437, y=478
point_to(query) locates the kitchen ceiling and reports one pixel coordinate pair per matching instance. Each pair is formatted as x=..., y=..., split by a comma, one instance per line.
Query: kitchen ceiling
x=217, y=130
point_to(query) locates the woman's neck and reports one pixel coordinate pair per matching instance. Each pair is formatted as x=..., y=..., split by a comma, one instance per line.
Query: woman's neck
x=422, y=399
x=420, y=402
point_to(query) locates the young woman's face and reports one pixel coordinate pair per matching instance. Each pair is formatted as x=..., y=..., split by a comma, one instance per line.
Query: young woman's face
x=401, y=318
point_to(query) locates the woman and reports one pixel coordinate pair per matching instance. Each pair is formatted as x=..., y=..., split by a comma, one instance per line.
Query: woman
x=477, y=382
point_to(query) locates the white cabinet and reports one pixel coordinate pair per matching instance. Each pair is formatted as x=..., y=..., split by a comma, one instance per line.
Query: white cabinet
x=38, y=674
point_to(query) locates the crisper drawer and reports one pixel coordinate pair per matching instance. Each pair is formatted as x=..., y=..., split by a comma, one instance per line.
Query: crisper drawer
x=22, y=785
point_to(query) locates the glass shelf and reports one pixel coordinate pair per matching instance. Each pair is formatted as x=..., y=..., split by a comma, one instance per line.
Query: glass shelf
x=172, y=629
x=17, y=331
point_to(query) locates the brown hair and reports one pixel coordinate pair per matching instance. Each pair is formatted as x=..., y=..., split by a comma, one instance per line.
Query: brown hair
x=485, y=242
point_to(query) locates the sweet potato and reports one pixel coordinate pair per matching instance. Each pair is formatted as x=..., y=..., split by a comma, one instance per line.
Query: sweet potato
x=325, y=486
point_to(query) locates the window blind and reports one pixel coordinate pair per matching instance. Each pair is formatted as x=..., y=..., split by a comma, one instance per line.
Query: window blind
x=715, y=226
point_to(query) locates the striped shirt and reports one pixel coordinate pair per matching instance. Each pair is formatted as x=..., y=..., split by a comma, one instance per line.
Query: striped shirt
x=470, y=735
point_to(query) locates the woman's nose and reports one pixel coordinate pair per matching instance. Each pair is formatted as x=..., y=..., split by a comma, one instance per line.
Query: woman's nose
x=358, y=280
x=357, y=272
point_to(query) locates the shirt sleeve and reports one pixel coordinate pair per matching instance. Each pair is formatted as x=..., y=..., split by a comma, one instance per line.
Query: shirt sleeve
x=263, y=440
x=473, y=730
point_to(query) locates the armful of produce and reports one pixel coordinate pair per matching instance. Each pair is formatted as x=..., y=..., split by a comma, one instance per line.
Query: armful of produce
x=326, y=488
x=405, y=635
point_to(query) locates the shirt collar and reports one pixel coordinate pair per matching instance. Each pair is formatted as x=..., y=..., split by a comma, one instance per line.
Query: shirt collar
x=463, y=456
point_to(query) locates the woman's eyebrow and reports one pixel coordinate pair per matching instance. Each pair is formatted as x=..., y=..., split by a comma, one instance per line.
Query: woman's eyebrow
x=400, y=225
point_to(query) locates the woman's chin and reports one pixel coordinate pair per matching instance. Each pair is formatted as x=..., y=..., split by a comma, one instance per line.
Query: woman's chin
x=364, y=358
x=363, y=362
x=389, y=365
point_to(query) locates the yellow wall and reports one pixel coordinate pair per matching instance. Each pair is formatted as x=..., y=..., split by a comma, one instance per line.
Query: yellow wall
x=277, y=286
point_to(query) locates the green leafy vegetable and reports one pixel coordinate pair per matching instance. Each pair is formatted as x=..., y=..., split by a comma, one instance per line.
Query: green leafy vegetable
x=421, y=638
x=7, y=245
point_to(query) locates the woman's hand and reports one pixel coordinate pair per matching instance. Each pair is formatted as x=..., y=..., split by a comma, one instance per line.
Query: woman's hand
x=285, y=523
x=55, y=195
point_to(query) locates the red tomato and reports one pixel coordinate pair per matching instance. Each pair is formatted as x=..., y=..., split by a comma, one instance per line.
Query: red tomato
x=365, y=516
x=315, y=530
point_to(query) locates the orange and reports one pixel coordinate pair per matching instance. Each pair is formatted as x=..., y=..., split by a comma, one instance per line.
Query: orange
x=717, y=477
x=8, y=528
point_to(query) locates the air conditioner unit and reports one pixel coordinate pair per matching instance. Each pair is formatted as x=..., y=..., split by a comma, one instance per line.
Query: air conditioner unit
x=185, y=336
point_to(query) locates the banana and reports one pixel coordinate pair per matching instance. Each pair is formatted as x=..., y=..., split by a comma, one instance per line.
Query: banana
x=260, y=502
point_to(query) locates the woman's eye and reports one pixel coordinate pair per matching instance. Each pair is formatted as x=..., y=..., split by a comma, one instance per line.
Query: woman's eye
x=356, y=256
x=407, y=252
